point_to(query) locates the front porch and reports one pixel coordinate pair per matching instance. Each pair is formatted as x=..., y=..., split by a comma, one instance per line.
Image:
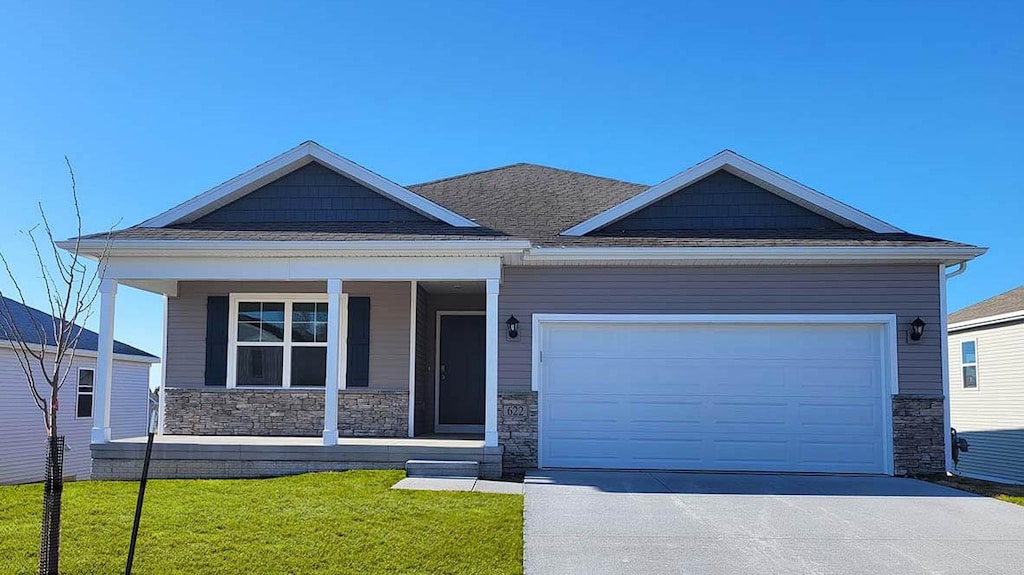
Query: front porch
x=206, y=456
x=272, y=367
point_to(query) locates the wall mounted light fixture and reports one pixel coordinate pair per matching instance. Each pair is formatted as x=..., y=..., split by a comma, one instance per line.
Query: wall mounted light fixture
x=513, y=327
x=917, y=329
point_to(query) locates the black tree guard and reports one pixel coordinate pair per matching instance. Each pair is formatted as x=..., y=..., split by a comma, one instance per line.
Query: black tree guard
x=53, y=490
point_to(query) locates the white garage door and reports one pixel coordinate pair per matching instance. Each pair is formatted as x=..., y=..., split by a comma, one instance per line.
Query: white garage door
x=736, y=397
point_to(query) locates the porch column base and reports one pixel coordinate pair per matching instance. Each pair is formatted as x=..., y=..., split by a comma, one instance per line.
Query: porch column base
x=100, y=435
x=330, y=437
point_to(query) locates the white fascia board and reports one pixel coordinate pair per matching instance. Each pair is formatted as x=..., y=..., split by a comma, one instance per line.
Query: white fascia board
x=743, y=168
x=133, y=268
x=265, y=248
x=289, y=161
x=950, y=254
x=986, y=321
x=88, y=353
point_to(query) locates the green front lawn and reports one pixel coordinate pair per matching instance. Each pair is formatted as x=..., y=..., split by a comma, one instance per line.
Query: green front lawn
x=349, y=522
x=1002, y=491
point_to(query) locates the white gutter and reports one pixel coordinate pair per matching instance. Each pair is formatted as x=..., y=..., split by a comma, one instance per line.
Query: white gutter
x=272, y=248
x=988, y=320
x=943, y=254
x=4, y=345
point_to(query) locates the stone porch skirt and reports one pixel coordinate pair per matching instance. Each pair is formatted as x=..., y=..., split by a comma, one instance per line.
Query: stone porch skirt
x=284, y=412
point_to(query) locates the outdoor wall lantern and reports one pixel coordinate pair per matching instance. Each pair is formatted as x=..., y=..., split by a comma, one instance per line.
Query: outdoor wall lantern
x=513, y=327
x=917, y=329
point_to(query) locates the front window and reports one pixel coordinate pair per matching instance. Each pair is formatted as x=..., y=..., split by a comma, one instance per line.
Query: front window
x=84, y=393
x=280, y=343
x=969, y=363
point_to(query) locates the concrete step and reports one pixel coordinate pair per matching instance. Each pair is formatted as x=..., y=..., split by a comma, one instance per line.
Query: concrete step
x=439, y=468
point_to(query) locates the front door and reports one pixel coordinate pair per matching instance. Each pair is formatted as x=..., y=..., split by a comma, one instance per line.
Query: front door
x=460, y=372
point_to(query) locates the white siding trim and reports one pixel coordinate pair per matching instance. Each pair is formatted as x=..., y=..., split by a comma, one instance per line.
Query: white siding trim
x=741, y=255
x=888, y=352
x=748, y=170
x=988, y=320
x=944, y=350
x=289, y=161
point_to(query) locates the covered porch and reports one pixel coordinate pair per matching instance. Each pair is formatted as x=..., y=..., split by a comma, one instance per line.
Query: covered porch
x=389, y=387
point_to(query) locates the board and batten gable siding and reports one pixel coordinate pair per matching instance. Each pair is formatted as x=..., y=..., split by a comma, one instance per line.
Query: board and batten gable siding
x=22, y=449
x=312, y=193
x=906, y=290
x=722, y=201
x=389, y=327
x=991, y=416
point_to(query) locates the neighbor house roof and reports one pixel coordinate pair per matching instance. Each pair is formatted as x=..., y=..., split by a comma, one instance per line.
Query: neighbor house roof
x=1005, y=305
x=523, y=201
x=26, y=318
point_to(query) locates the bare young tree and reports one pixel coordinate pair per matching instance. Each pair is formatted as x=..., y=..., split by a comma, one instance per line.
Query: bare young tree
x=46, y=348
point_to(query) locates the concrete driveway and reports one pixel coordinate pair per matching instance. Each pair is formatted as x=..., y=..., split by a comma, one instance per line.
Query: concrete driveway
x=634, y=522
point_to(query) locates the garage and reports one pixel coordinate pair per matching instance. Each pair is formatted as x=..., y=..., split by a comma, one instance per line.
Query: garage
x=715, y=393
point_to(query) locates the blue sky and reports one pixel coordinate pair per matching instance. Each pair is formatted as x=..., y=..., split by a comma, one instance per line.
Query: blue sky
x=913, y=112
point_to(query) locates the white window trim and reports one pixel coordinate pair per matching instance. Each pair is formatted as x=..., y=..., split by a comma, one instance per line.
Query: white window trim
x=977, y=368
x=287, y=299
x=78, y=392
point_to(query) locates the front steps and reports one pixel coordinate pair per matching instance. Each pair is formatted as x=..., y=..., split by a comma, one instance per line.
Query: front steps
x=439, y=468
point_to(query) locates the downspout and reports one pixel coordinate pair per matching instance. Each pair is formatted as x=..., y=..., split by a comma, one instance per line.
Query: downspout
x=944, y=350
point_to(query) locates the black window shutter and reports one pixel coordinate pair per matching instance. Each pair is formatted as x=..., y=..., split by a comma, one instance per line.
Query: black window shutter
x=217, y=340
x=357, y=372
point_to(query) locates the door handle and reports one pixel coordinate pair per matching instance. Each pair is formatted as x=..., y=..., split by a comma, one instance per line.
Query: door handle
x=444, y=371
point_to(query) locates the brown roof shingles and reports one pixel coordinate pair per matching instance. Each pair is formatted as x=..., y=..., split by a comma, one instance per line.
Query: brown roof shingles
x=523, y=201
x=1006, y=302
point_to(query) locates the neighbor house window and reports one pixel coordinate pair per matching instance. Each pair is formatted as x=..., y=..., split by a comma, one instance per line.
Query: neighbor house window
x=969, y=362
x=85, y=393
x=279, y=342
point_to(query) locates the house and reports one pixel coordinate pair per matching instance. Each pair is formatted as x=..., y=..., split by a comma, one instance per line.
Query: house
x=728, y=318
x=23, y=443
x=986, y=363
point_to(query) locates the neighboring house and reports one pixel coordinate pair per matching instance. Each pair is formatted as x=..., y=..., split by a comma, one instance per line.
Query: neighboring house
x=22, y=433
x=728, y=318
x=986, y=363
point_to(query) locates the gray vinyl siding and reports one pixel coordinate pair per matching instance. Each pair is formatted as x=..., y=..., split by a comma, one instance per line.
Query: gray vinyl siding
x=991, y=416
x=313, y=193
x=389, y=327
x=906, y=290
x=21, y=423
x=722, y=201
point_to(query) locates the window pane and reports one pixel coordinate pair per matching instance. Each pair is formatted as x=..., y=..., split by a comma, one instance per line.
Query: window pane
x=321, y=332
x=84, y=408
x=85, y=379
x=248, y=311
x=970, y=376
x=303, y=311
x=273, y=312
x=967, y=350
x=272, y=331
x=260, y=366
x=248, y=332
x=321, y=311
x=309, y=366
x=303, y=332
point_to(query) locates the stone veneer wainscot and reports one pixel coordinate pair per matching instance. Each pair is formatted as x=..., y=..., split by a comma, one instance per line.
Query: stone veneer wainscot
x=284, y=412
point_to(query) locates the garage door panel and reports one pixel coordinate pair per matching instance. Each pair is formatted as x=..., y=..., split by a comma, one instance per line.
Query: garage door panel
x=719, y=397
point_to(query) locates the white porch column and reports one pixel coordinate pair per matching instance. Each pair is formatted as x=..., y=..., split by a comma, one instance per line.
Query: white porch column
x=412, y=358
x=491, y=396
x=104, y=363
x=334, y=346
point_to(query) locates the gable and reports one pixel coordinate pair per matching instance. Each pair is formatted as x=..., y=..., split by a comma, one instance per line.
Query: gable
x=722, y=201
x=312, y=193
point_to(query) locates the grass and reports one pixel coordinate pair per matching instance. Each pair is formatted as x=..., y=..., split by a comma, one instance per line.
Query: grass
x=349, y=522
x=1004, y=492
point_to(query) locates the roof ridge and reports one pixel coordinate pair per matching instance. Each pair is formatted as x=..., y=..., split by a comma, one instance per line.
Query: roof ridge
x=507, y=166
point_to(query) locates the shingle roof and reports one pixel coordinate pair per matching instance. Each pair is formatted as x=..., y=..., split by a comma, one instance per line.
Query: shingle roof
x=524, y=201
x=25, y=320
x=1007, y=302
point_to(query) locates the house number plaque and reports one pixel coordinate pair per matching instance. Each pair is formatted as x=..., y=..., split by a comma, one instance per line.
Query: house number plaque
x=515, y=411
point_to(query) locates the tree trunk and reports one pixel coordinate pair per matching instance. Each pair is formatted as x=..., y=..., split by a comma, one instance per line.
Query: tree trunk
x=53, y=490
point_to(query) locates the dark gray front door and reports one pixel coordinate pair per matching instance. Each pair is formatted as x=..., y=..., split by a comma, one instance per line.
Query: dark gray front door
x=460, y=371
